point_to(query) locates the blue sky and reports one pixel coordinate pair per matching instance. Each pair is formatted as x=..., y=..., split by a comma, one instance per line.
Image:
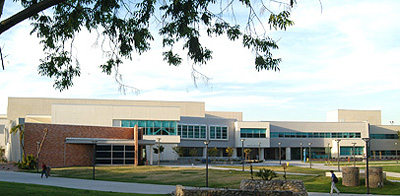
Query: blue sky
x=346, y=57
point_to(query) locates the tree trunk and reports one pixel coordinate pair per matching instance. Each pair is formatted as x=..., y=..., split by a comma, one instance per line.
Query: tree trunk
x=26, y=13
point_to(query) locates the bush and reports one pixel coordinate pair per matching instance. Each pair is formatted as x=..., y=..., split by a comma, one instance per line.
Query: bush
x=266, y=174
x=29, y=163
x=2, y=154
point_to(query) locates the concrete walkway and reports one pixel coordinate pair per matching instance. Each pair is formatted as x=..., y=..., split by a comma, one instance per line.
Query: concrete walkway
x=98, y=185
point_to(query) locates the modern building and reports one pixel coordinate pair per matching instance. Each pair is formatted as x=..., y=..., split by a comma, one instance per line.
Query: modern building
x=65, y=132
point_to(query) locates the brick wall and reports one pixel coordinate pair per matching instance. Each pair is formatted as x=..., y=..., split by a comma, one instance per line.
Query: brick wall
x=52, y=152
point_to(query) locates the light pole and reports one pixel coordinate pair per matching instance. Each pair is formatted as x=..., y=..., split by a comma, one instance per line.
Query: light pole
x=206, y=143
x=397, y=157
x=329, y=152
x=354, y=153
x=259, y=151
x=366, y=167
x=309, y=149
x=301, y=151
x=158, y=150
x=242, y=140
x=280, y=156
x=338, y=154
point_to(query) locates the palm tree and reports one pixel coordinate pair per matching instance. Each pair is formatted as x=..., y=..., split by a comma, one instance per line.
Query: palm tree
x=14, y=130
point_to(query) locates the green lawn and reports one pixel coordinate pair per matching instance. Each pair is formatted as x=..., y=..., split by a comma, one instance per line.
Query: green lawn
x=20, y=189
x=217, y=178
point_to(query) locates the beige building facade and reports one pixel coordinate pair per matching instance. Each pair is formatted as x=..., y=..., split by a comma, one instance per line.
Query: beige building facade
x=186, y=125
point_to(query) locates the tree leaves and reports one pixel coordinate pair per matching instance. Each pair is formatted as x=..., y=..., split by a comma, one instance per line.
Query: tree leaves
x=126, y=24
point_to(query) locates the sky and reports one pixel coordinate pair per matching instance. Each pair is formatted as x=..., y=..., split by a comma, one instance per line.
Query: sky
x=339, y=55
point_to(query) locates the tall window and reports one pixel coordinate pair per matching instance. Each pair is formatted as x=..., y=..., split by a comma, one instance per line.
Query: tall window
x=252, y=133
x=192, y=131
x=153, y=127
x=218, y=132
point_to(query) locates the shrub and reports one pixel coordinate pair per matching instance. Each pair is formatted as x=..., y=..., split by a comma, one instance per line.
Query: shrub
x=29, y=163
x=266, y=174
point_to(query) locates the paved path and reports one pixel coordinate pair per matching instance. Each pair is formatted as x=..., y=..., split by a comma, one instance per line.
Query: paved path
x=98, y=185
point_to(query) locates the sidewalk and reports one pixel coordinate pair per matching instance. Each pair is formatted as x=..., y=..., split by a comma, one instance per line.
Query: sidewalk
x=125, y=187
x=98, y=185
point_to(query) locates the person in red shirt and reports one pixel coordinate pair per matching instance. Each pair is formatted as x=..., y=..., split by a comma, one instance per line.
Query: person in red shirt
x=44, y=167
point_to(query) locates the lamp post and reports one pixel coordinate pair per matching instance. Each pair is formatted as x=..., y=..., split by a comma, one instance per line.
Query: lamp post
x=366, y=167
x=354, y=153
x=329, y=152
x=37, y=158
x=206, y=143
x=301, y=151
x=280, y=156
x=397, y=157
x=309, y=155
x=338, y=154
x=158, y=150
x=259, y=151
x=242, y=140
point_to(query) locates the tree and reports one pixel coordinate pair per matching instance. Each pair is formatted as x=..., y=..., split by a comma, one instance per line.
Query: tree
x=193, y=152
x=180, y=151
x=247, y=153
x=127, y=26
x=20, y=129
x=213, y=152
x=156, y=150
x=229, y=151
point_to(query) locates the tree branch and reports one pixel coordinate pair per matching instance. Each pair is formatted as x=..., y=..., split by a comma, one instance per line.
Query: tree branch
x=26, y=13
x=1, y=7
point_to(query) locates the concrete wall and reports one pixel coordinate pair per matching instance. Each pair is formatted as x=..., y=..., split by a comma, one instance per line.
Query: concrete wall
x=384, y=144
x=372, y=116
x=218, y=114
x=230, y=123
x=105, y=115
x=252, y=142
x=304, y=127
x=19, y=106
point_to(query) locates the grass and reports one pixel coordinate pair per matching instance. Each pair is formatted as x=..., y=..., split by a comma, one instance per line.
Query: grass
x=289, y=169
x=20, y=189
x=217, y=178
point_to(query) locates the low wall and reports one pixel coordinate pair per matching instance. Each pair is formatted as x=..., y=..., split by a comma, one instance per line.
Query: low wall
x=182, y=191
x=296, y=186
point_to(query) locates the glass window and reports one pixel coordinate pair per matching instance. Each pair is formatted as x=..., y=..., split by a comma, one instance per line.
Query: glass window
x=259, y=133
x=220, y=132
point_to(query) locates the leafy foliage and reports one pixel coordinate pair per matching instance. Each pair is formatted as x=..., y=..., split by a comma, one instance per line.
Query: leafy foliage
x=229, y=151
x=247, y=152
x=126, y=25
x=193, y=152
x=178, y=150
x=213, y=152
x=266, y=174
x=28, y=163
x=2, y=154
x=156, y=150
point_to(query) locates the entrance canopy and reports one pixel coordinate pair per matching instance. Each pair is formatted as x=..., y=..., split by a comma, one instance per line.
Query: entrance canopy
x=75, y=140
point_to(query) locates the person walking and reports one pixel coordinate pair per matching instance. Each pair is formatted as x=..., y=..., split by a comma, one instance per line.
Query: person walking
x=334, y=180
x=44, y=170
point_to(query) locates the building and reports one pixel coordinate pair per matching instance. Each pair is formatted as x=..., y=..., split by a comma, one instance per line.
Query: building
x=75, y=131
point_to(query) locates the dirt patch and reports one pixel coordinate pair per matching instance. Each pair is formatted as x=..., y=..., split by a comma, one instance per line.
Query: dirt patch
x=8, y=167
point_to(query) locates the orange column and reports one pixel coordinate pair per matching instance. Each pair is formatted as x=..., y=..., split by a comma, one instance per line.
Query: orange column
x=136, y=138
